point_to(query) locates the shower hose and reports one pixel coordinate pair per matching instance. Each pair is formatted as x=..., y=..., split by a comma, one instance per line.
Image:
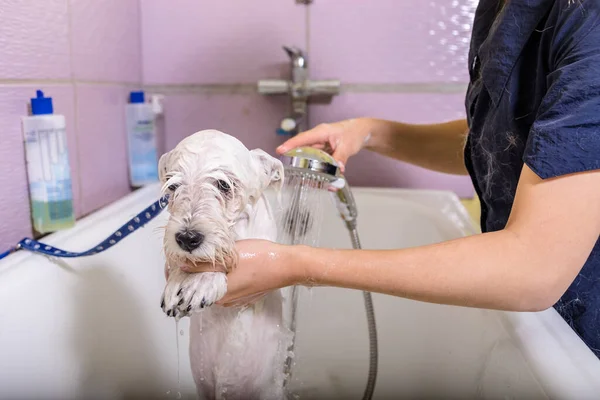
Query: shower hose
x=373, y=355
x=372, y=327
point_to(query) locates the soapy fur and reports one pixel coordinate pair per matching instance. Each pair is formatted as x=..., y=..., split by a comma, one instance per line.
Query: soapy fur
x=237, y=352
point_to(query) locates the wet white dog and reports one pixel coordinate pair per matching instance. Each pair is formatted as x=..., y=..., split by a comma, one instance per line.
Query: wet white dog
x=216, y=190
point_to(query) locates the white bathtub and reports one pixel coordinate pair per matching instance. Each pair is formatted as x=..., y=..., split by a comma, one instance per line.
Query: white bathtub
x=92, y=327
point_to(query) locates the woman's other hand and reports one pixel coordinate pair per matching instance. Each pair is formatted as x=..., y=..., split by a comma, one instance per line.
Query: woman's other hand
x=262, y=267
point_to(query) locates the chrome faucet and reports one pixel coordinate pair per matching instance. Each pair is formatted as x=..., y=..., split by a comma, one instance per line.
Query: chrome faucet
x=300, y=89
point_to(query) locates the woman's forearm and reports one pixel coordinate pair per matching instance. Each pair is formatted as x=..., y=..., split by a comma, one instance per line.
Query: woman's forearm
x=439, y=147
x=527, y=266
x=489, y=270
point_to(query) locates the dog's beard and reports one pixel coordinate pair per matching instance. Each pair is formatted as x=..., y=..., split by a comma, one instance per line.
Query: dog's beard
x=210, y=213
x=218, y=248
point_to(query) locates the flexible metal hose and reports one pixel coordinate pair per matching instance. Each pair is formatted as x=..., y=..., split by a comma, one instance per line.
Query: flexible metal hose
x=347, y=209
x=371, y=325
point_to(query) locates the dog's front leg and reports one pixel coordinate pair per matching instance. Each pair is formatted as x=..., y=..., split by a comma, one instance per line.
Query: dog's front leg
x=187, y=293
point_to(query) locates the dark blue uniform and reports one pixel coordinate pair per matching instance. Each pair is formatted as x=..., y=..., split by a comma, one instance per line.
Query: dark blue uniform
x=534, y=98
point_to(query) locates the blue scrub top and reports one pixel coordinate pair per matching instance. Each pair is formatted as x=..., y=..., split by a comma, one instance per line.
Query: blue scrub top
x=534, y=98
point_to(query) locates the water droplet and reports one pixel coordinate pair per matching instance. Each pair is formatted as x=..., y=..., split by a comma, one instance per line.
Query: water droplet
x=181, y=332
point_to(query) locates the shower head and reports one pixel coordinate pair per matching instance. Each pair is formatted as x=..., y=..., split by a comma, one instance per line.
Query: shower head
x=309, y=158
x=316, y=164
x=309, y=161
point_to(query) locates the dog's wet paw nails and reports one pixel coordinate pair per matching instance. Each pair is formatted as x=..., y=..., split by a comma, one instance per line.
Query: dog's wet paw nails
x=187, y=293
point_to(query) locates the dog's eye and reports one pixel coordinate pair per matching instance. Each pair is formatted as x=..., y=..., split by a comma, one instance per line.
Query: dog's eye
x=173, y=187
x=223, y=186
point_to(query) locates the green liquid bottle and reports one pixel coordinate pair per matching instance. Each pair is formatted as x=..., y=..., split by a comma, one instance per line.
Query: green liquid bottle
x=48, y=169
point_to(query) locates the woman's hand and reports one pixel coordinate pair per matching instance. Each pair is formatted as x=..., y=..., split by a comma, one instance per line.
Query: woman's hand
x=262, y=267
x=341, y=139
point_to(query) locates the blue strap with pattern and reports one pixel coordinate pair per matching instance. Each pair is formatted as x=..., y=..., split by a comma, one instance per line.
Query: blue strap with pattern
x=127, y=229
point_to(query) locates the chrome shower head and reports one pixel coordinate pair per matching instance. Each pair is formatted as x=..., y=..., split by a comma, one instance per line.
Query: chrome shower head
x=305, y=159
x=308, y=161
x=311, y=162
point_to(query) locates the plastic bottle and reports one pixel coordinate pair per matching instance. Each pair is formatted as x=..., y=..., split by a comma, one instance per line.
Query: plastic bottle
x=141, y=138
x=48, y=168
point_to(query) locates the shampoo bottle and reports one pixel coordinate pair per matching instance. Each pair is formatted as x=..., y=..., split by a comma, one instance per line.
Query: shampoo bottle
x=141, y=138
x=48, y=169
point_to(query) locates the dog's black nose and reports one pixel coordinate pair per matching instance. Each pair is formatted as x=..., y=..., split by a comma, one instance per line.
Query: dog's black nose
x=189, y=240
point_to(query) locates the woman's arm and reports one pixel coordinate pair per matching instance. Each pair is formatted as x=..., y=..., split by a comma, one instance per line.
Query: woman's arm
x=438, y=147
x=552, y=229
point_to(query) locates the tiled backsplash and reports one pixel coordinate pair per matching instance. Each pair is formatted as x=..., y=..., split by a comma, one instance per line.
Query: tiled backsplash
x=101, y=144
x=85, y=54
x=34, y=40
x=403, y=60
x=106, y=40
x=250, y=117
x=218, y=42
x=391, y=41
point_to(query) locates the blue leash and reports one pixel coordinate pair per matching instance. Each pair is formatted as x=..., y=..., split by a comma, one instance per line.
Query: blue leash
x=127, y=229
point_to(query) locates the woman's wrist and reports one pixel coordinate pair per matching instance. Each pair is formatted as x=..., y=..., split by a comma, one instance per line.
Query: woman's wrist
x=380, y=133
x=296, y=259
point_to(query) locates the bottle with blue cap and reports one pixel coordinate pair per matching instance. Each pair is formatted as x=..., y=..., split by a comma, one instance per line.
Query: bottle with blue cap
x=141, y=139
x=48, y=169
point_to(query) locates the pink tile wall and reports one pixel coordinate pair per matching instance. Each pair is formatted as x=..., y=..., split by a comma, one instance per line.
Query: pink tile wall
x=14, y=197
x=34, y=40
x=225, y=41
x=102, y=145
x=251, y=118
x=370, y=169
x=390, y=41
x=106, y=40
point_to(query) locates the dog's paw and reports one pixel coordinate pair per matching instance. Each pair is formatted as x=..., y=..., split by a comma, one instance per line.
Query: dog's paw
x=187, y=293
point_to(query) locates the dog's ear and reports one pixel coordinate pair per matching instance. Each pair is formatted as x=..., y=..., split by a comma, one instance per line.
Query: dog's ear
x=270, y=169
x=163, y=161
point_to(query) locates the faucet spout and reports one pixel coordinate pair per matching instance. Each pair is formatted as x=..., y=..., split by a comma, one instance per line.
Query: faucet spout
x=296, y=55
x=300, y=89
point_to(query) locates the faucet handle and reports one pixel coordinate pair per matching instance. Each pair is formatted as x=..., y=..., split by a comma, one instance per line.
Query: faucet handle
x=329, y=87
x=273, y=86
